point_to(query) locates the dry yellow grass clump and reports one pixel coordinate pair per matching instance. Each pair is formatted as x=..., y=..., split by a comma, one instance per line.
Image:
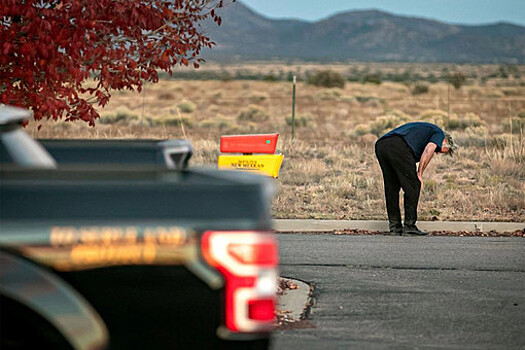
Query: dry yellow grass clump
x=330, y=170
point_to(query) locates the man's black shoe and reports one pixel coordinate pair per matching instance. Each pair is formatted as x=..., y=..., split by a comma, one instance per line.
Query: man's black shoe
x=412, y=230
x=396, y=229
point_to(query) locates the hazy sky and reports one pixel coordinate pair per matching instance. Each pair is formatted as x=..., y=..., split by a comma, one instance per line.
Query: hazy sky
x=452, y=11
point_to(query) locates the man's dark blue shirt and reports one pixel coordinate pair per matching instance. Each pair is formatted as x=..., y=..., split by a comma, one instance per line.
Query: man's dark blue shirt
x=417, y=135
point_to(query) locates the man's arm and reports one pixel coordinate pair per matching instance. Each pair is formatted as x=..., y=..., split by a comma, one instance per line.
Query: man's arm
x=427, y=155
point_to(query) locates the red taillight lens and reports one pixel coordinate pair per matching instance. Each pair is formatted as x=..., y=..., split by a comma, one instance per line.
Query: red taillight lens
x=248, y=261
x=264, y=254
x=262, y=310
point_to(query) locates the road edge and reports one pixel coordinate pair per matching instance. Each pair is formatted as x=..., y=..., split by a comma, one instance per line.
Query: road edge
x=294, y=304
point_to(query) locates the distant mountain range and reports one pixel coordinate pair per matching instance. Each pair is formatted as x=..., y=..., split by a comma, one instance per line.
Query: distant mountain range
x=368, y=35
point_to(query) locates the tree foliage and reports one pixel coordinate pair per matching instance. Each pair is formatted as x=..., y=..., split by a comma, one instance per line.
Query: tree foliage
x=49, y=48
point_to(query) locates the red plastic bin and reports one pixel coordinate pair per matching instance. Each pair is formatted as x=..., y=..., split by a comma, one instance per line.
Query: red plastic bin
x=259, y=143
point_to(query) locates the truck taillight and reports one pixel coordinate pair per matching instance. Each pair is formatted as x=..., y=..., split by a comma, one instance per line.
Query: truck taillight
x=248, y=261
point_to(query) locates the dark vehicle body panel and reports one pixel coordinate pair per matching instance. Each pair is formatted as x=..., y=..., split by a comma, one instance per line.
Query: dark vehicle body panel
x=174, y=154
x=152, y=307
x=175, y=306
x=135, y=193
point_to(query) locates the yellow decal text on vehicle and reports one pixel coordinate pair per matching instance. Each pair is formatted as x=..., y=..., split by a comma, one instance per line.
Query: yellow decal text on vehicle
x=76, y=248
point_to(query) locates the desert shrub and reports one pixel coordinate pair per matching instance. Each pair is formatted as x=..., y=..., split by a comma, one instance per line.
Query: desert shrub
x=120, y=115
x=433, y=114
x=477, y=130
x=457, y=79
x=166, y=96
x=399, y=114
x=327, y=78
x=329, y=94
x=452, y=123
x=146, y=121
x=350, y=100
x=301, y=120
x=442, y=119
x=469, y=140
x=521, y=114
x=253, y=113
x=474, y=136
x=373, y=78
x=385, y=123
x=225, y=76
x=369, y=101
x=470, y=120
x=419, y=89
x=365, y=99
x=270, y=78
x=61, y=124
x=503, y=72
x=124, y=114
x=439, y=117
x=186, y=106
x=361, y=130
x=173, y=120
x=381, y=125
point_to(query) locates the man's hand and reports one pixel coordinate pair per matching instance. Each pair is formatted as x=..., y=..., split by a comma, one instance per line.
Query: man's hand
x=428, y=153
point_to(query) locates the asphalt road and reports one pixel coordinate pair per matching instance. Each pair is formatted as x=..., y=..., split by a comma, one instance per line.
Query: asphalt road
x=382, y=292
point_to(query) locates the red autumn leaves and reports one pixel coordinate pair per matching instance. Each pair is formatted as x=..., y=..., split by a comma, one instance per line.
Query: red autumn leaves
x=50, y=48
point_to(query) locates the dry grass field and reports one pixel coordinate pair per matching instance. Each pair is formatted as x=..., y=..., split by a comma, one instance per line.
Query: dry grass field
x=330, y=171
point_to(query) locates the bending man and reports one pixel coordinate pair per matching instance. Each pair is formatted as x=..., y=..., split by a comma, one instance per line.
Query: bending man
x=398, y=151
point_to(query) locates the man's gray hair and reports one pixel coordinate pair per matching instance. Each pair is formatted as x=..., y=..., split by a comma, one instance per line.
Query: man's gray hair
x=451, y=143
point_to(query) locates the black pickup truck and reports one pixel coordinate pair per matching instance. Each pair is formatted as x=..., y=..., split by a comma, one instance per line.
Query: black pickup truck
x=114, y=256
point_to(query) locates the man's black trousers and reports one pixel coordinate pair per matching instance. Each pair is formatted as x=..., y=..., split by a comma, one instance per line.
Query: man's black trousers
x=399, y=171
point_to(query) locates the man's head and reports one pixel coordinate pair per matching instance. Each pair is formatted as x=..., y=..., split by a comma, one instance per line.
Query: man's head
x=448, y=146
